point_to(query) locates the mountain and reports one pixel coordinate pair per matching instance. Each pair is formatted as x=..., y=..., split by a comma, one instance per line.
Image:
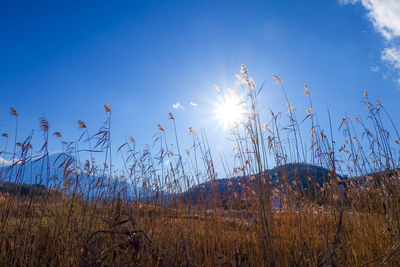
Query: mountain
x=62, y=172
x=300, y=176
x=37, y=170
x=373, y=178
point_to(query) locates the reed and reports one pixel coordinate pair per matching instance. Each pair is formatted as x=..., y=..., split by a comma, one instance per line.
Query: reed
x=165, y=207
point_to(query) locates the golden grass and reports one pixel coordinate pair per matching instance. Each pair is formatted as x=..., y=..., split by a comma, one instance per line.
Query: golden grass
x=332, y=224
x=49, y=235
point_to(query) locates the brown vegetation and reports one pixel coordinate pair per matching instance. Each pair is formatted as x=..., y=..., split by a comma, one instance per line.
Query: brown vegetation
x=90, y=215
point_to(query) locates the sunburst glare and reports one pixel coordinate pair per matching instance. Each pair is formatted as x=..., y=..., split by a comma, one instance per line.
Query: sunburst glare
x=229, y=111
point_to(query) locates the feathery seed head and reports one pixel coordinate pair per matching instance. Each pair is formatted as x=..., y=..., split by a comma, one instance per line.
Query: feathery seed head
x=306, y=92
x=290, y=106
x=242, y=79
x=191, y=131
x=107, y=108
x=13, y=112
x=276, y=78
x=44, y=124
x=81, y=124
x=244, y=70
x=265, y=127
x=234, y=93
x=251, y=84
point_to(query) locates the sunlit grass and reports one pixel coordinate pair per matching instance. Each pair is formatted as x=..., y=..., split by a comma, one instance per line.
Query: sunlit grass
x=145, y=216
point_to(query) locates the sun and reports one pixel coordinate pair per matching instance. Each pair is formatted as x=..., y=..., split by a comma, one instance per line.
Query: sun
x=229, y=111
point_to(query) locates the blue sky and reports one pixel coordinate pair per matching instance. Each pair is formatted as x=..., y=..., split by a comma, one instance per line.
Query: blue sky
x=66, y=59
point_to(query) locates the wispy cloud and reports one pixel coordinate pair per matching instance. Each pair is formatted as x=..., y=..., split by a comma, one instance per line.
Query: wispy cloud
x=375, y=69
x=391, y=56
x=193, y=104
x=4, y=162
x=177, y=106
x=385, y=16
x=344, y=2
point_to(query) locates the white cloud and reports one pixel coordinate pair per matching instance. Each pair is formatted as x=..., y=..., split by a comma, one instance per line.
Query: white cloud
x=177, y=106
x=4, y=162
x=392, y=56
x=375, y=69
x=344, y=2
x=193, y=104
x=385, y=16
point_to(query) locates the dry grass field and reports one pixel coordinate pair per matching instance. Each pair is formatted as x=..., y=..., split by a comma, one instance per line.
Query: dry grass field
x=90, y=215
